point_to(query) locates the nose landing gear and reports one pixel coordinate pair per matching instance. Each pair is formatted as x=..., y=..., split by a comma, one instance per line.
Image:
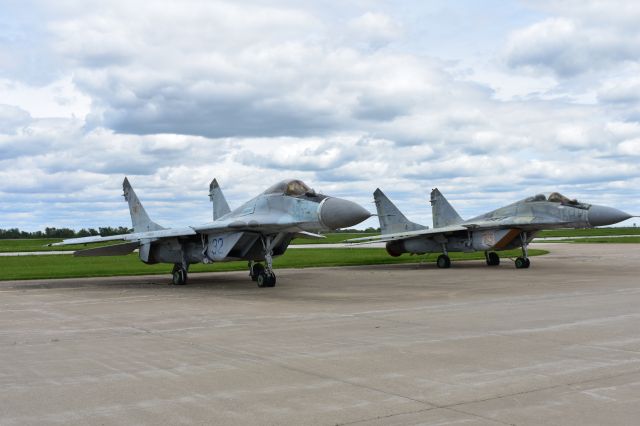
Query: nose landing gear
x=264, y=276
x=258, y=273
x=523, y=262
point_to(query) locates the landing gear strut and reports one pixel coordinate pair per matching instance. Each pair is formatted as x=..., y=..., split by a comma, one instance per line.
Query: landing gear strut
x=523, y=262
x=264, y=276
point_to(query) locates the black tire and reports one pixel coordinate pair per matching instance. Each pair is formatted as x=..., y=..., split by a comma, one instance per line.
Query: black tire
x=493, y=259
x=262, y=279
x=266, y=280
x=272, y=280
x=443, y=261
x=527, y=263
x=258, y=268
x=179, y=276
x=521, y=263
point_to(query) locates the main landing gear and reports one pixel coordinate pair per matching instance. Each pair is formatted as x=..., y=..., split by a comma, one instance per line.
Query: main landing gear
x=264, y=276
x=492, y=258
x=443, y=260
x=523, y=262
x=179, y=274
x=258, y=273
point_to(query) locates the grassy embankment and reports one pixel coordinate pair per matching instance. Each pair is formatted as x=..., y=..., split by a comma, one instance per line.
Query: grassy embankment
x=67, y=266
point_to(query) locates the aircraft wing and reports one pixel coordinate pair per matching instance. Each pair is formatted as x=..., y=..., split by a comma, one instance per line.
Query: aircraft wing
x=409, y=234
x=502, y=223
x=136, y=236
x=265, y=225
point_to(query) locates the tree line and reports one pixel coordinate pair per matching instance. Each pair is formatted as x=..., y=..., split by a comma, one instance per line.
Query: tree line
x=51, y=232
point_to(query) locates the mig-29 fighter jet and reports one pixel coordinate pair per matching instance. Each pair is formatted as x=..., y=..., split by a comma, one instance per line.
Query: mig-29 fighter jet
x=256, y=231
x=506, y=228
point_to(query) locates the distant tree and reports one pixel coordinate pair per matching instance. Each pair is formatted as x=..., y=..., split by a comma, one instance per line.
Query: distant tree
x=108, y=230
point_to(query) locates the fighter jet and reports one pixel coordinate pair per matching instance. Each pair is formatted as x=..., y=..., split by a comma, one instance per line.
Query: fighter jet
x=257, y=231
x=506, y=228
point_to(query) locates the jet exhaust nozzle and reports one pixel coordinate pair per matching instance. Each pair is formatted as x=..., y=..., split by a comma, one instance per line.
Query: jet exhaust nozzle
x=603, y=215
x=337, y=213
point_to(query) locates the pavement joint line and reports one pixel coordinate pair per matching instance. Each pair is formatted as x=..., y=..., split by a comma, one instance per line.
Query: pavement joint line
x=452, y=407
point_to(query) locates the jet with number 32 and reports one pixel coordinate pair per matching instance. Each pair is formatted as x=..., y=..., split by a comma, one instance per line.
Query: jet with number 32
x=256, y=231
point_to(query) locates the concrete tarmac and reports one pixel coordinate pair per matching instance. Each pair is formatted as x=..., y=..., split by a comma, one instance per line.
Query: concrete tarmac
x=557, y=344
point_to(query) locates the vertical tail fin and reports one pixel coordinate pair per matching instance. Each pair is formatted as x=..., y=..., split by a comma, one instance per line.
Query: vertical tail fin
x=442, y=212
x=220, y=205
x=139, y=217
x=391, y=219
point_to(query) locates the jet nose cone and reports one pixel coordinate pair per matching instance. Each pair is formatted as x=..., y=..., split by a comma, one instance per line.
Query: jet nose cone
x=338, y=213
x=603, y=215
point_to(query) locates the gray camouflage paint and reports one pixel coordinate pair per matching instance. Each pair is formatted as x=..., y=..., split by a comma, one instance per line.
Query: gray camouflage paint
x=259, y=229
x=508, y=227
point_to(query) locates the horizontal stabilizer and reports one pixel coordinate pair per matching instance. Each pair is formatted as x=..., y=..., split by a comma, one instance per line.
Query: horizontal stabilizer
x=115, y=250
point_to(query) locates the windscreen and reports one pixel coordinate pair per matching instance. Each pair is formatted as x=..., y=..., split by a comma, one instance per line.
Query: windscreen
x=291, y=187
x=556, y=197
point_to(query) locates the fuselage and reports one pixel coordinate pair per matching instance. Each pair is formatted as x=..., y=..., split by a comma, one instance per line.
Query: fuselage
x=281, y=212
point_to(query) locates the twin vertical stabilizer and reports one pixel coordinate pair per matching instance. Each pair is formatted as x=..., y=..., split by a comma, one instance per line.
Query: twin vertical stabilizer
x=391, y=218
x=139, y=217
x=220, y=205
x=443, y=213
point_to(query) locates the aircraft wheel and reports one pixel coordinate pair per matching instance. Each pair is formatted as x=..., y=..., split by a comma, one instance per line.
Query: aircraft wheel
x=266, y=280
x=522, y=262
x=528, y=263
x=261, y=279
x=179, y=276
x=493, y=259
x=443, y=261
x=258, y=268
x=272, y=280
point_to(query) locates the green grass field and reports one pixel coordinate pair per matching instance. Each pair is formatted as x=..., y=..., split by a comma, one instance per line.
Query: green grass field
x=588, y=232
x=67, y=266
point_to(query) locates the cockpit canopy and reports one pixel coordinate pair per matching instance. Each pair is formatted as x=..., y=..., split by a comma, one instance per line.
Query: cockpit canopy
x=556, y=197
x=291, y=187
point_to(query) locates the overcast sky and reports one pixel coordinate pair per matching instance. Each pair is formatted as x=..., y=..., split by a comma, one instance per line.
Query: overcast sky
x=490, y=101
